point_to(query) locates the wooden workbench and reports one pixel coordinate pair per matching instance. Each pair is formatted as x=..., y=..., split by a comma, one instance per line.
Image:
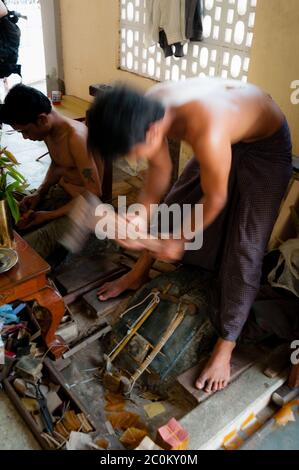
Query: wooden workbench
x=73, y=108
x=28, y=281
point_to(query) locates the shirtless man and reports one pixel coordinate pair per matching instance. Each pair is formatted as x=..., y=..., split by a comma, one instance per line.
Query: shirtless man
x=242, y=144
x=72, y=171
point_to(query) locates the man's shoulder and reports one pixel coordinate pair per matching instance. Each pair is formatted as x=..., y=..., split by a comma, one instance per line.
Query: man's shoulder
x=77, y=132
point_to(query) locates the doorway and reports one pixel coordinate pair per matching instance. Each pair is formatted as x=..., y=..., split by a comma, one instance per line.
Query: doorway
x=31, y=52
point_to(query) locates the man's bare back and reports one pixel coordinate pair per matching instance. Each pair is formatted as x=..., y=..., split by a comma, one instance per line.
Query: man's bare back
x=243, y=111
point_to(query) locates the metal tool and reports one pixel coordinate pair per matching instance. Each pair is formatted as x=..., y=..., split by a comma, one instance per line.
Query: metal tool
x=128, y=384
x=113, y=377
x=45, y=414
x=137, y=325
x=284, y=395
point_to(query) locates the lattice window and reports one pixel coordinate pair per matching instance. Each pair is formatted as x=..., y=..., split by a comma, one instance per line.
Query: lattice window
x=225, y=51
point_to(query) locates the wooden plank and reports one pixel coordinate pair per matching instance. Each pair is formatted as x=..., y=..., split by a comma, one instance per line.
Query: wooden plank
x=279, y=361
x=284, y=395
x=73, y=296
x=241, y=361
x=83, y=344
x=85, y=271
x=103, y=309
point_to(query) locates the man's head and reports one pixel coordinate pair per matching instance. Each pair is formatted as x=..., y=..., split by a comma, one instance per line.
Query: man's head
x=28, y=111
x=122, y=122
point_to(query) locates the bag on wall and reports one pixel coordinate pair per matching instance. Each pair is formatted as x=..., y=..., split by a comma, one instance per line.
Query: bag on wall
x=10, y=37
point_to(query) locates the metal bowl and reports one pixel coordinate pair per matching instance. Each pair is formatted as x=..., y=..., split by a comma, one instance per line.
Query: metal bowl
x=8, y=259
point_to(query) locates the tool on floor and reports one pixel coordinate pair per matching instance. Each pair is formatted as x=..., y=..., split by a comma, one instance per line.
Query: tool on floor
x=157, y=349
x=284, y=395
x=113, y=379
x=45, y=414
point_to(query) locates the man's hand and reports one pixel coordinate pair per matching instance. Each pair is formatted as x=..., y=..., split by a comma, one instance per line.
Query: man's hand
x=137, y=238
x=30, y=202
x=34, y=219
x=167, y=250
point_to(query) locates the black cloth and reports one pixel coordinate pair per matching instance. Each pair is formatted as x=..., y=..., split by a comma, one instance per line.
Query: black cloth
x=10, y=36
x=194, y=26
x=194, y=29
x=170, y=49
x=235, y=244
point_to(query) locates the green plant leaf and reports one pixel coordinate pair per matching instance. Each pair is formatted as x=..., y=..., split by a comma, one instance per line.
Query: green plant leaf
x=10, y=156
x=13, y=206
x=3, y=182
x=16, y=175
x=11, y=181
x=13, y=187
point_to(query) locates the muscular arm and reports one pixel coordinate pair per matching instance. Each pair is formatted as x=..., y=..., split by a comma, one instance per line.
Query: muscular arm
x=3, y=10
x=86, y=165
x=158, y=178
x=214, y=156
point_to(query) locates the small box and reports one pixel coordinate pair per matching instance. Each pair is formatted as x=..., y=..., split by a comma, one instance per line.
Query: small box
x=173, y=436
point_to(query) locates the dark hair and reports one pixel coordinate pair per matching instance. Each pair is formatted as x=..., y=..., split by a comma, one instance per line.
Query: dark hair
x=119, y=119
x=23, y=105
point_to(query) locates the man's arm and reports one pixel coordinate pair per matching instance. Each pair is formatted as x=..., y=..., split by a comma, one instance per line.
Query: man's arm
x=3, y=10
x=157, y=179
x=214, y=156
x=86, y=165
x=52, y=177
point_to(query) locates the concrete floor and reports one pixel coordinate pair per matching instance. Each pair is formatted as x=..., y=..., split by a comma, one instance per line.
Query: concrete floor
x=14, y=433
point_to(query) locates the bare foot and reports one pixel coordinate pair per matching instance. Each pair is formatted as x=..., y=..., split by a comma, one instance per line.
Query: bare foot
x=113, y=289
x=294, y=377
x=216, y=374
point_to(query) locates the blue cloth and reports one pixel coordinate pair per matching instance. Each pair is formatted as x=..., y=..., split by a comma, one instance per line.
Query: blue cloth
x=7, y=315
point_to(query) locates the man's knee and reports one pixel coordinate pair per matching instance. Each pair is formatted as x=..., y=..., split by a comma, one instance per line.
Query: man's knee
x=45, y=239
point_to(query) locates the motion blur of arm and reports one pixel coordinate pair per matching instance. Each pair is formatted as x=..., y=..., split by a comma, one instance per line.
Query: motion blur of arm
x=3, y=9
